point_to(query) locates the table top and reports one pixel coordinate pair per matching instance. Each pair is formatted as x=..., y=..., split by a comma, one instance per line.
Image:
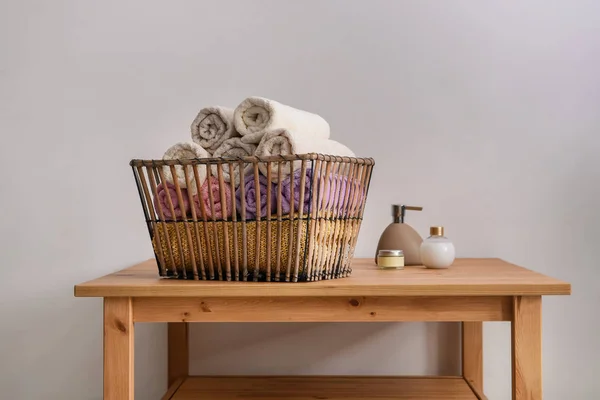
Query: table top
x=466, y=277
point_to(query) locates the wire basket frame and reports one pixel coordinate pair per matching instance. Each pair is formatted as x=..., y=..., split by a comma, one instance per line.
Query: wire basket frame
x=281, y=218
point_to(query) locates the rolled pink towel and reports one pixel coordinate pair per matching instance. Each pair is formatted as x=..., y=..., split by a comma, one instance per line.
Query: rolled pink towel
x=345, y=195
x=161, y=202
x=338, y=193
x=220, y=210
x=358, y=196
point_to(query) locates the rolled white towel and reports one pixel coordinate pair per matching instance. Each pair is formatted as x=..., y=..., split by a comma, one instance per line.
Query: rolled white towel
x=233, y=147
x=285, y=142
x=256, y=115
x=185, y=151
x=212, y=126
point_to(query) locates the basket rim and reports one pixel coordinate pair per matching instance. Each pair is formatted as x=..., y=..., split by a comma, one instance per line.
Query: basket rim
x=252, y=159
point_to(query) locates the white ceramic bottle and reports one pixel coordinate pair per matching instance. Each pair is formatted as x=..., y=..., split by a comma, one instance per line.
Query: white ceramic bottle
x=437, y=251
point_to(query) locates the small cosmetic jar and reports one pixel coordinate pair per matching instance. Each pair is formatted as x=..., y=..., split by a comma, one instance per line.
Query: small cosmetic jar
x=390, y=259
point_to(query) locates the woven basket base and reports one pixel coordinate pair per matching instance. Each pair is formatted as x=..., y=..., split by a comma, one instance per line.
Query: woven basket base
x=330, y=256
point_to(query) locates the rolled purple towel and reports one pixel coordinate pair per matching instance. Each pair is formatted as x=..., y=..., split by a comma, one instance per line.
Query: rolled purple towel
x=286, y=191
x=161, y=202
x=250, y=196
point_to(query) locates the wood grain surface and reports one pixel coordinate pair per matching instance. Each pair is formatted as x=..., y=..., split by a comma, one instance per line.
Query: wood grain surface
x=322, y=309
x=118, y=349
x=330, y=388
x=467, y=277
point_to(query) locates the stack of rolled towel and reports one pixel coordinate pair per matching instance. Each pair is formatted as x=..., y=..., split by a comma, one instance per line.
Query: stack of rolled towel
x=259, y=127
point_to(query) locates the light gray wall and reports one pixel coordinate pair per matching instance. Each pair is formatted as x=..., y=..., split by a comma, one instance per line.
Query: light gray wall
x=484, y=112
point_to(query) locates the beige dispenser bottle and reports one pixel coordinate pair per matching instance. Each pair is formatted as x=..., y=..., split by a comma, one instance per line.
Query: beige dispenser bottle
x=401, y=236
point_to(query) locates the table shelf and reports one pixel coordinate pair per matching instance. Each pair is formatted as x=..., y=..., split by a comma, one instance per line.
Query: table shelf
x=321, y=387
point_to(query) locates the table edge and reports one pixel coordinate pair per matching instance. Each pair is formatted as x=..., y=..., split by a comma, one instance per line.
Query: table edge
x=300, y=290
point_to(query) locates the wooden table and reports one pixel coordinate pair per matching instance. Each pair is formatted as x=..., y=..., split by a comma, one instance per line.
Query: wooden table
x=471, y=291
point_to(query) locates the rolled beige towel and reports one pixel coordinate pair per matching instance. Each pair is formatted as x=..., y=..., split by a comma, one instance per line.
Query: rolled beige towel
x=256, y=115
x=233, y=147
x=212, y=126
x=285, y=142
x=185, y=151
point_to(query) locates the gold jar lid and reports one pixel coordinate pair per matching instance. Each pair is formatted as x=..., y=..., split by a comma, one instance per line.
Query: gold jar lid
x=436, y=231
x=391, y=253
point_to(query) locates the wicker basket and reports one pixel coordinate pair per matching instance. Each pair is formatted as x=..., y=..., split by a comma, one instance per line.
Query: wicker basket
x=284, y=218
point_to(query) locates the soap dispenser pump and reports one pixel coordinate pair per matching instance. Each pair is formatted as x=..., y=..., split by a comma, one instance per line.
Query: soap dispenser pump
x=401, y=236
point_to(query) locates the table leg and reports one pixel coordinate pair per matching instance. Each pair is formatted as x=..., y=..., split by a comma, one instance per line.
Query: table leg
x=118, y=348
x=472, y=353
x=527, y=348
x=178, y=351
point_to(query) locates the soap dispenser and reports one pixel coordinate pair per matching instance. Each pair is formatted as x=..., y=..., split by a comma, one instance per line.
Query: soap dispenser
x=401, y=236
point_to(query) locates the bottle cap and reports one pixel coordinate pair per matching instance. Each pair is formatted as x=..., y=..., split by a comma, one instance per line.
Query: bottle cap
x=391, y=253
x=436, y=231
